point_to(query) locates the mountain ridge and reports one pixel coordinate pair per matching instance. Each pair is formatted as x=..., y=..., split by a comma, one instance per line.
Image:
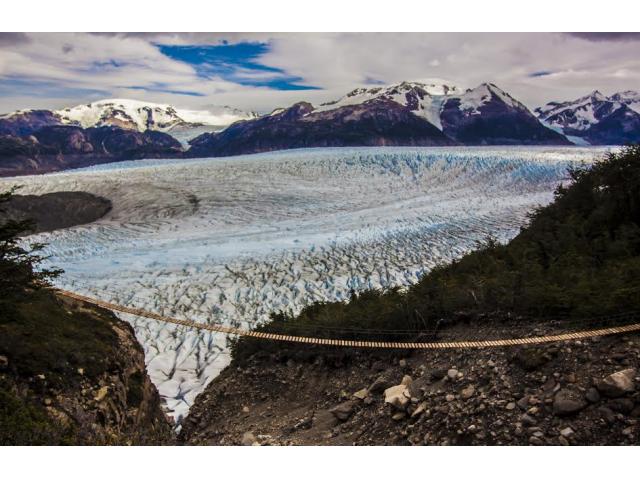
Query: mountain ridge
x=402, y=114
x=59, y=147
x=408, y=114
x=128, y=114
x=595, y=118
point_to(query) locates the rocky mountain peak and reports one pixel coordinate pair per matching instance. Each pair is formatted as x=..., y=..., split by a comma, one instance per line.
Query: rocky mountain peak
x=595, y=118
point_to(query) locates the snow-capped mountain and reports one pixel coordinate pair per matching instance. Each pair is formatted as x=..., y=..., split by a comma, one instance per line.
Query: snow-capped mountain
x=422, y=99
x=141, y=116
x=487, y=115
x=127, y=114
x=409, y=113
x=596, y=118
x=630, y=98
x=577, y=115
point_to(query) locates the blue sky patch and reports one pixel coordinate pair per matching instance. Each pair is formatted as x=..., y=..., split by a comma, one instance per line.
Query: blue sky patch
x=541, y=73
x=237, y=63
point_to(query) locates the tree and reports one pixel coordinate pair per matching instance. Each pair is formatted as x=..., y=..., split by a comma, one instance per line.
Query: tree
x=19, y=264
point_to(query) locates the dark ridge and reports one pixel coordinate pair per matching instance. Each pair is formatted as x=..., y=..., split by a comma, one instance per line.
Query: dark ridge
x=52, y=211
x=61, y=147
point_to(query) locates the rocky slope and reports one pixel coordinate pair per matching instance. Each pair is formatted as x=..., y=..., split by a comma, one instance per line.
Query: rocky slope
x=411, y=114
x=73, y=375
x=571, y=393
x=26, y=122
x=52, y=211
x=595, y=118
x=56, y=147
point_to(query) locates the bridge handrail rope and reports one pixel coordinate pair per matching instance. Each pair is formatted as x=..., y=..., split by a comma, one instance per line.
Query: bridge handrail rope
x=353, y=343
x=560, y=321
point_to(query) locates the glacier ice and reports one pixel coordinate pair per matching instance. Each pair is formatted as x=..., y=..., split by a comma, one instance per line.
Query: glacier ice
x=230, y=240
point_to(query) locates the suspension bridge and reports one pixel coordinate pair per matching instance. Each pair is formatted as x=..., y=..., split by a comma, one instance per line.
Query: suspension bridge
x=337, y=342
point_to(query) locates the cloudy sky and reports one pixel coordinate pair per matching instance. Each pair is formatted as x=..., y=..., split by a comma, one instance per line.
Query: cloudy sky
x=263, y=71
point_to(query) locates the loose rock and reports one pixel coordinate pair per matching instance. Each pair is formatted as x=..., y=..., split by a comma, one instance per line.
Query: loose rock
x=406, y=380
x=566, y=432
x=467, y=392
x=397, y=396
x=361, y=394
x=380, y=384
x=437, y=374
x=618, y=383
x=527, y=420
x=419, y=410
x=249, y=439
x=343, y=411
x=535, y=441
x=621, y=405
x=592, y=395
x=102, y=393
x=567, y=402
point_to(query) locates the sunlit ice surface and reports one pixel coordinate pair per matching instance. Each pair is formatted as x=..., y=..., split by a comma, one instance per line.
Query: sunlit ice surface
x=230, y=240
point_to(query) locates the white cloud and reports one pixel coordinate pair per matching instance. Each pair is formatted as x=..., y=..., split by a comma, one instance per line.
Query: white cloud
x=126, y=64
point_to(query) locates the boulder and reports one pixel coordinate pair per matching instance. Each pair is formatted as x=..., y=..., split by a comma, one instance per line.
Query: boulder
x=397, y=396
x=618, y=383
x=567, y=402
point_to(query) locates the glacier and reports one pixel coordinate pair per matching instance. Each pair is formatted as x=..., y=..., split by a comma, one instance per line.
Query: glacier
x=231, y=240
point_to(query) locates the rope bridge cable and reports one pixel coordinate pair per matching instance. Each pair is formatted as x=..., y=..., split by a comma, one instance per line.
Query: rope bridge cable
x=352, y=343
x=488, y=331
